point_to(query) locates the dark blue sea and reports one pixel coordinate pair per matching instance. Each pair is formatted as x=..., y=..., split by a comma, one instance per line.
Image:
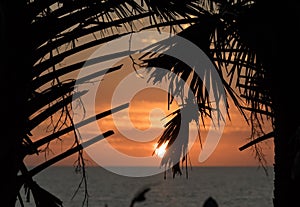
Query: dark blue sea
x=229, y=186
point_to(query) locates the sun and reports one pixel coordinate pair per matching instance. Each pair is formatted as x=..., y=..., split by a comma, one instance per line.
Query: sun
x=160, y=152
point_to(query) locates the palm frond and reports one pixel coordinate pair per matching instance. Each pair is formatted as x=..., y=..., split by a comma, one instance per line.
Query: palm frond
x=240, y=69
x=40, y=100
x=48, y=63
x=68, y=152
x=176, y=135
x=66, y=130
x=257, y=140
x=44, y=198
x=38, y=119
x=244, y=70
x=61, y=29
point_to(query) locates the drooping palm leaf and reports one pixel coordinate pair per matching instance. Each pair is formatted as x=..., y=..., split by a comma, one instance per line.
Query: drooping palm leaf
x=240, y=70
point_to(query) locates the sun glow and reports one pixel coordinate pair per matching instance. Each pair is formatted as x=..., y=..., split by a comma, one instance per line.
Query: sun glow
x=160, y=152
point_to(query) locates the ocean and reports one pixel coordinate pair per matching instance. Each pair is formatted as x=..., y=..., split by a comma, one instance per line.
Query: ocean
x=229, y=186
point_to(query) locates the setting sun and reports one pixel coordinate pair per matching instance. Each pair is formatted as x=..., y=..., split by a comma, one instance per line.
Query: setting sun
x=160, y=152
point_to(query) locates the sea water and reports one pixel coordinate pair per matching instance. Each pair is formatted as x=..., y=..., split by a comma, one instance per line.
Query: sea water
x=229, y=186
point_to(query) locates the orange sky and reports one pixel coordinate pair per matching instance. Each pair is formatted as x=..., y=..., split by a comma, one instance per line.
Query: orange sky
x=235, y=133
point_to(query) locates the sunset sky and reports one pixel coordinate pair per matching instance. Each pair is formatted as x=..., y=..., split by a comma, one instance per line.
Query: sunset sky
x=236, y=132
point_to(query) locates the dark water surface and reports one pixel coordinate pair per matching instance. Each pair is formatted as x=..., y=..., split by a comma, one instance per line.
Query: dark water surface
x=230, y=186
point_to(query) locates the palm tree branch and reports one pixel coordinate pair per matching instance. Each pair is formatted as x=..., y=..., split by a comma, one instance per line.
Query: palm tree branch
x=66, y=130
x=79, y=32
x=257, y=140
x=38, y=119
x=41, y=67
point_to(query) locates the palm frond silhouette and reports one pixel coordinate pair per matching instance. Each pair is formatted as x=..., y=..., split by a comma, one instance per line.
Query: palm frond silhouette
x=239, y=36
